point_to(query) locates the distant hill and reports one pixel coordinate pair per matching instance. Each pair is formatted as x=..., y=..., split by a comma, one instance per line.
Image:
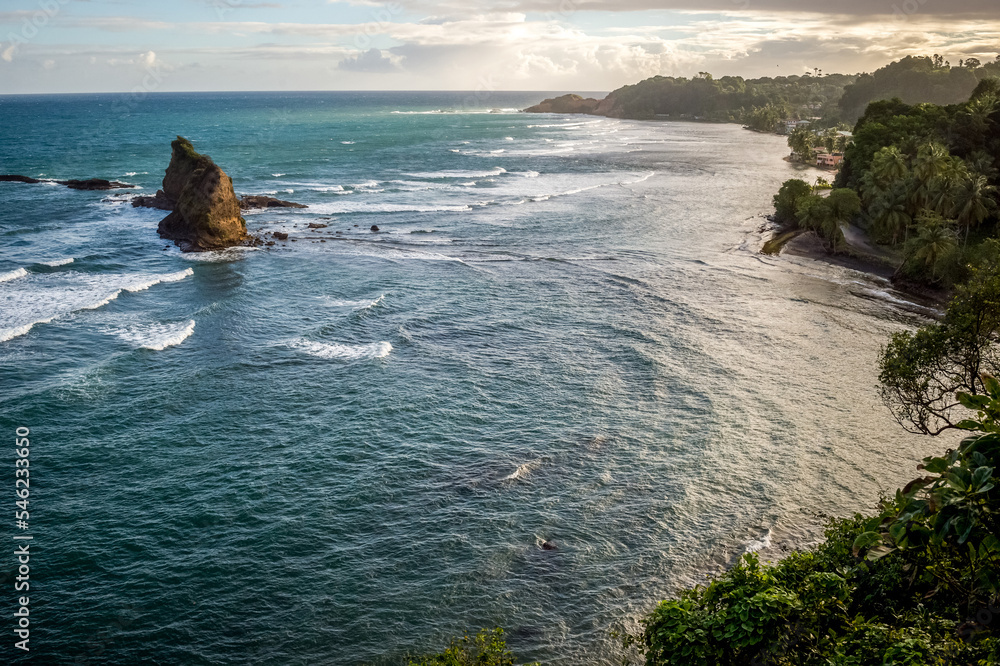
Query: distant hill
x=916, y=80
x=833, y=98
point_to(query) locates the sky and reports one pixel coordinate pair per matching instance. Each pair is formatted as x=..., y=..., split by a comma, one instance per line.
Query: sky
x=61, y=46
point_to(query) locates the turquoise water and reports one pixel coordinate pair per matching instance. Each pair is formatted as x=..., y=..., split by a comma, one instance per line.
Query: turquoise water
x=337, y=452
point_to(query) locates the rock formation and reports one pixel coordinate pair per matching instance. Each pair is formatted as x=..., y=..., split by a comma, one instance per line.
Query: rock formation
x=566, y=104
x=252, y=201
x=206, y=212
x=609, y=106
x=247, y=202
x=94, y=184
x=88, y=184
x=158, y=200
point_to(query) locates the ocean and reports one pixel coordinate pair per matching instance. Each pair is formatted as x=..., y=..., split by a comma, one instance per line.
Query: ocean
x=351, y=446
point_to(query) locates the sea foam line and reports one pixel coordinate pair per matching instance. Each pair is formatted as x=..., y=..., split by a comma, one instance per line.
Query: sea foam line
x=12, y=275
x=335, y=351
x=157, y=337
x=63, y=302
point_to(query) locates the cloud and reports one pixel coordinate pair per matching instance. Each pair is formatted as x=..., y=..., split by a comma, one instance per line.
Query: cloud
x=976, y=8
x=372, y=61
x=147, y=59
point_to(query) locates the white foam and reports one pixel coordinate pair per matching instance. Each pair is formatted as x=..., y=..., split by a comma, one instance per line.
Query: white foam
x=760, y=544
x=57, y=262
x=219, y=256
x=156, y=336
x=523, y=470
x=393, y=254
x=508, y=138
x=12, y=275
x=43, y=298
x=347, y=206
x=641, y=179
x=334, y=351
x=356, y=305
x=433, y=175
x=278, y=175
x=347, y=143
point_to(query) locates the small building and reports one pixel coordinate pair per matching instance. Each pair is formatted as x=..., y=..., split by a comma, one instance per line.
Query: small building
x=829, y=160
x=792, y=125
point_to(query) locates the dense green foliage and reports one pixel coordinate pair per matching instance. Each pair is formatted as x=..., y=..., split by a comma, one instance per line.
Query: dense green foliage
x=832, y=98
x=929, y=180
x=761, y=103
x=487, y=648
x=916, y=80
x=798, y=205
x=786, y=201
x=921, y=373
x=917, y=583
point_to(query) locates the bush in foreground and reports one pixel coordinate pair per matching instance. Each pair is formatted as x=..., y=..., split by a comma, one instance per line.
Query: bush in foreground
x=487, y=648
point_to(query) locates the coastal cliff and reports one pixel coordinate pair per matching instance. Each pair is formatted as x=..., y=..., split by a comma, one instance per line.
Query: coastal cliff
x=575, y=104
x=205, y=211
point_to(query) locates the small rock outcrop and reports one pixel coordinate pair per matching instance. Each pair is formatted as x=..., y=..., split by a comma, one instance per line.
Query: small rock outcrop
x=158, y=200
x=206, y=212
x=94, y=184
x=566, y=104
x=88, y=184
x=252, y=201
x=609, y=106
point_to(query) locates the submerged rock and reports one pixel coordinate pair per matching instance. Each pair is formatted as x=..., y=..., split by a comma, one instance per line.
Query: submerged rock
x=314, y=225
x=374, y=227
x=252, y=201
x=88, y=184
x=158, y=200
x=549, y=545
x=206, y=212
x=94, y=184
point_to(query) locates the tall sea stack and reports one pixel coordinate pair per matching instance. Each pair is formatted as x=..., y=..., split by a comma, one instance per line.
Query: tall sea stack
x=206, y=212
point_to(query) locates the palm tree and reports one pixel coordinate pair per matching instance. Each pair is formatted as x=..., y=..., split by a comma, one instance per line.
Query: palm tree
x=931, y=160
x=818, y=214
x=981, y=163
x=870, y=188
x=940, y=190
x=934, y=241
x=889, y=165
x=973, y=202
x=889, y=215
